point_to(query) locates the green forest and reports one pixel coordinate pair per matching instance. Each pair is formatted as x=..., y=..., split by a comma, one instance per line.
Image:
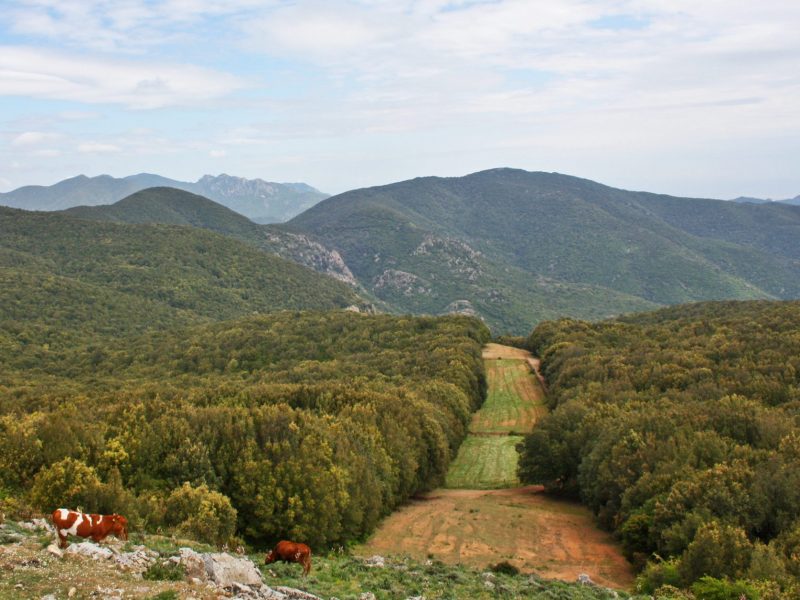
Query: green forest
x=300, y=425
x=680, y=428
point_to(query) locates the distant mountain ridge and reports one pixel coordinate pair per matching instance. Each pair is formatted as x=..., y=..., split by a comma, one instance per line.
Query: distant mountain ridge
x=513, y=247
x=259, y=200
x=517, y=247
x=749, y=200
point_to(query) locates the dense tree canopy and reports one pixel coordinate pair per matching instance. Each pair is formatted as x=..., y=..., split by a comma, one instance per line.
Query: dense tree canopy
x=681, y=429
x=305, y=425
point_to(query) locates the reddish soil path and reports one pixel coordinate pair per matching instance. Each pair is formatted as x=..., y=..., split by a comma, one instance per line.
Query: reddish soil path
x=536, y=533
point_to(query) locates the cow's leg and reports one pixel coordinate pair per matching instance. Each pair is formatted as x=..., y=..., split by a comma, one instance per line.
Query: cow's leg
x=306, y=565
x=62, y=539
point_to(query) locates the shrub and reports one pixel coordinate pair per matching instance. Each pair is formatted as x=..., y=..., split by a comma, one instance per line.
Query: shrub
x=657, y=575
x=202, y=514
x=709, y=588
x=504, y=567
x=165, y=571
x=166, y=595
x=717, y=551
x=69, y=483
x=670, y=592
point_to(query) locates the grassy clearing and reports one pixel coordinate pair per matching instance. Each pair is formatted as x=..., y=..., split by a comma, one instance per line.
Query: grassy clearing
x=485, y=463
x=515, y=400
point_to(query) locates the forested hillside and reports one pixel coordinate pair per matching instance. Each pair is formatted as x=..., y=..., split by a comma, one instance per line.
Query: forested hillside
x=681, y=429
x=170, y=206
x=302, y=425
x=519, y=247
x=66, y=280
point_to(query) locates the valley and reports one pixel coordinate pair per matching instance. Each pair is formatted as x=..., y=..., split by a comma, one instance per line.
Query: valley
x=483, y=515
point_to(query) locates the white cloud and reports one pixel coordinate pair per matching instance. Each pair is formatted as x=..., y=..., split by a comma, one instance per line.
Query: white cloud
x=33, y=138
x=217, y=153
x=32, y=72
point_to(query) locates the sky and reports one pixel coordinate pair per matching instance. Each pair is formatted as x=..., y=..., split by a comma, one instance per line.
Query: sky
x=686, y=97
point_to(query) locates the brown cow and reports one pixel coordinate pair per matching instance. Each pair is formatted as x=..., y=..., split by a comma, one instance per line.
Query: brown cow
x=98, y=527
x=291, y=552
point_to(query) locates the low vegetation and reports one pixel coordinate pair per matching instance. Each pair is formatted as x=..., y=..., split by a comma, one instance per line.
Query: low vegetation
x=485, y=462
x=681, y=430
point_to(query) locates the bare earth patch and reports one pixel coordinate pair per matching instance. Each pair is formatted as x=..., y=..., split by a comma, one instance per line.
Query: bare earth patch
x=553, y=538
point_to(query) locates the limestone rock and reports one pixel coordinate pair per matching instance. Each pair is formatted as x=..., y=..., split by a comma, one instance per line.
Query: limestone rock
x=137, y=561
x=240, y=591
x=375, y=561
x=55, y=550
x=225, y=570
x=193, y=563
x=584, y=579
x=91, y=550
x=295, y=594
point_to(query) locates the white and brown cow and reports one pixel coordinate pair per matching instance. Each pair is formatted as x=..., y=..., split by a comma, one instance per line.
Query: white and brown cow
x=98, y=527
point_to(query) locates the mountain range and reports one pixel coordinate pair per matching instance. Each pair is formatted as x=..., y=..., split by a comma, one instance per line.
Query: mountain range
x=514, y=247
x=259, y=200
x=518, y=247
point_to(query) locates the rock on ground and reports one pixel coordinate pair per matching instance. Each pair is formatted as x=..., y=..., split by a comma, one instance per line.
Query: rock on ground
x=375, y=561
x=137, y=561
x=295, y=594
x=193, y=564
x=225, y=570
x=91, y=550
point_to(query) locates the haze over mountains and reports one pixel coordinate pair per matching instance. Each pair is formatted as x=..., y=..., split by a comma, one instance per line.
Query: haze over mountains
x=259, y=200
x=749, y=200
x=514, y=247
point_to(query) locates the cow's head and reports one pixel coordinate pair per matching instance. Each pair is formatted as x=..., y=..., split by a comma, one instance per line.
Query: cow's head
x=119, y=526
x=271, y=557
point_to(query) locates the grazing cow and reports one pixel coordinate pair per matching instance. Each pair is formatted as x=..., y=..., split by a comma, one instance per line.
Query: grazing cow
x=98, y=527
x=291, y=552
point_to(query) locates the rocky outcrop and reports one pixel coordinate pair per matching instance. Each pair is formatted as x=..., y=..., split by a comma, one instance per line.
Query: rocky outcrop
x=305, y=251
x=402, y=282
x=225, y=570
x=375, y=561
x=220, y=568
x=461, y=307
x=137, y=561
x=91, y=550
x=461, y=259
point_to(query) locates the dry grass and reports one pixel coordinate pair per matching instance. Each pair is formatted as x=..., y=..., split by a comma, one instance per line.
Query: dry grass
x=536, y=533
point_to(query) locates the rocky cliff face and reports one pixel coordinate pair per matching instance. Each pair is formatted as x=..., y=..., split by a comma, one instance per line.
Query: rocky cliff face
x=303, y=250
